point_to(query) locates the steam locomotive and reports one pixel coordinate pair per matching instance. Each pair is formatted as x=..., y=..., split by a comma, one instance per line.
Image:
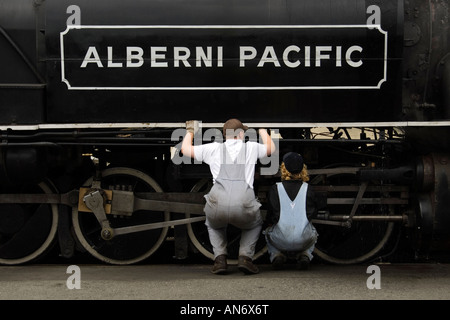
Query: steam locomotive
x=94, y=97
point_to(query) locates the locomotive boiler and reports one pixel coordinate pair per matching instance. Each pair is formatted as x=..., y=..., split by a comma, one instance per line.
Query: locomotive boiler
x=94, y=97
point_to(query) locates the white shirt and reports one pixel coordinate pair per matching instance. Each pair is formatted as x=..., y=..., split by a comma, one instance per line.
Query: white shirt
x=210, y=154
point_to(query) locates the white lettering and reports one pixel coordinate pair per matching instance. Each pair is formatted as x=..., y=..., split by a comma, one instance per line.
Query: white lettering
x=307, y=56
x=112, y=64
x=286, y=60
x=205, y=57
x=246, y=309
x=91, y=57
x=202, y=56
x=220, y=56
x=320, y=56
x=181, y=54
x=133, y=54
x=246, y=53
x=158, y=53
x=188, y=310
x=269, y=56
x=338, y=56
x=348, y=56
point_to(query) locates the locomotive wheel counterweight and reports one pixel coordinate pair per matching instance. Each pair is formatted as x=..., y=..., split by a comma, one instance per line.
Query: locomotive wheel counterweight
x=27, y=231
x=126, y=248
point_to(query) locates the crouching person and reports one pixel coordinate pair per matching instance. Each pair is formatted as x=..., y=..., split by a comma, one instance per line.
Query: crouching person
x=232, y=198
x=292, y=205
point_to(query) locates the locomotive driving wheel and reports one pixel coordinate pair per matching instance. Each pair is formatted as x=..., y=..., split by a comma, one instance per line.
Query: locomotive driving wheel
x=198, y=233
x=27, y=231
x=359, y=240
x=125, y=248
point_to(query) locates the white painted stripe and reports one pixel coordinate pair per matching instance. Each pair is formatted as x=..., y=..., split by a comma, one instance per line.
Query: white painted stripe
x=280, y=26
x=256, y=125
x=226, y=88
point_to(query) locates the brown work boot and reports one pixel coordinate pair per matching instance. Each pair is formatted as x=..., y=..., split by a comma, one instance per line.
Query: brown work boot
x=246, y=265
x=303, y=262
x=220, y=264
x=278, y=262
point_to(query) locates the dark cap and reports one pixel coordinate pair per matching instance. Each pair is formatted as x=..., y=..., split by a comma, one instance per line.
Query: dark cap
x=233, y=124
x=293, y=162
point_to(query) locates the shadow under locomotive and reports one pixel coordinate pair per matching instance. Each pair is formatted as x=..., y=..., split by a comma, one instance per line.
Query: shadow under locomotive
x=378, y=201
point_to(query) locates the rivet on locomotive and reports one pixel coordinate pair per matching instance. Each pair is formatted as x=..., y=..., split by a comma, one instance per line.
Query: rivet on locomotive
x=94, y=98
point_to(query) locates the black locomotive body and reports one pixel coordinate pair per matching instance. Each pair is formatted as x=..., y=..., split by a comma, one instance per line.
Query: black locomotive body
x=94, y=96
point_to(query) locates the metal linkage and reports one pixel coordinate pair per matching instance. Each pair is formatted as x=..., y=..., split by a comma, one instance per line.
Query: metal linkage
x=126, y=202
x=69, y=199
x=95, y=201
x=123, y=203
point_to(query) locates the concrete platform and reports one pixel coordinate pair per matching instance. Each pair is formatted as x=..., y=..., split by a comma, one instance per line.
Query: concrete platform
x=195, y=282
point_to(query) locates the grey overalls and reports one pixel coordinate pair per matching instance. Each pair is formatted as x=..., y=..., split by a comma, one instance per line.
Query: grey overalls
x=232, y=201
x=293, y=233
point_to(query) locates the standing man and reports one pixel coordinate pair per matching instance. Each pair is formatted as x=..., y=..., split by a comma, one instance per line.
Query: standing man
x=232, y=198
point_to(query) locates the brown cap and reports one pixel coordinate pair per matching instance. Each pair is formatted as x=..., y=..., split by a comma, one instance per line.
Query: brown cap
x=233, y=124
